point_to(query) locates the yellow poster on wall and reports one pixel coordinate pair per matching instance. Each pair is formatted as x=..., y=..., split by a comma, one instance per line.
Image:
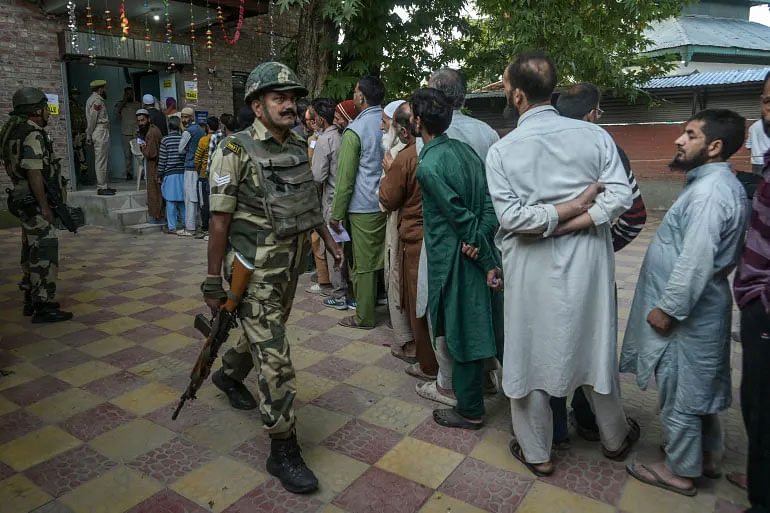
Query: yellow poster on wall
x=53, y=103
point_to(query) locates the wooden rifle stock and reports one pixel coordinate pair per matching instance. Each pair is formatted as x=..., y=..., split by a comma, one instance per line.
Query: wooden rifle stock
x=218, y=331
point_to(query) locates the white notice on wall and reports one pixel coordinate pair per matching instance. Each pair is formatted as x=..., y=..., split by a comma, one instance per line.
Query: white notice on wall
x=53, y=103
x=191, y=90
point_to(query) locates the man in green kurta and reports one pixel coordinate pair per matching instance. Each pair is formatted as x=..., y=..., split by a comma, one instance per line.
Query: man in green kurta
x=457, y=212
x=359, y=169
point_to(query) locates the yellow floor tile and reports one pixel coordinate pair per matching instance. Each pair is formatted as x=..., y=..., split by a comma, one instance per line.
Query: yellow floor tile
x=544, y=497
x=362, y=352
x=105, y=346
x=19, y=494
x=348, y=333
x=129, y=440
x=441, y=503
x=82, y=309
x=239, y=428
x=396, y=414
x=420, y=461
x=90, y=295
x=59, y=329
x=335, y=471
x=131, y=307
x=493, y=449
x=183, y=305
x=146, y=399
x=219, y=483
x=334, y=313
x=376, y=379
x=303, y=358
x=71, y=274
x=168, y=343
x=119, y=325
x=641, y=498
x=41, y=349
x=140, y=293
x=176, y=322
x=123, y=262
x=298, y=336
x=103, y=283
x=149, y=281
x=113, y=492
x=112, y=272
x=314, y=423
x=36, y=447
x=19, y=374
x=162, y=368
x=59, y=407
x=331, y=508
x=7, y=406
x=296, y=316
x=310, y=386
x=86, y=372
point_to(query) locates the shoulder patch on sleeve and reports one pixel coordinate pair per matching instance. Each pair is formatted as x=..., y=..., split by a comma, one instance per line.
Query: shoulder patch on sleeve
x=234, y=148
x=97, y=106
x=221, y=180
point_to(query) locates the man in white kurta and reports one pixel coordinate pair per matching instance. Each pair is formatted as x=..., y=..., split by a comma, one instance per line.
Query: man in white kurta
x=558, y=263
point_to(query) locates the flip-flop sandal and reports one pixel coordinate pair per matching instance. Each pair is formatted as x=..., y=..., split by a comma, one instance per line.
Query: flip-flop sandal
x=350, y=322
x=403, y=357
x=659, y=481
x=430, y=391
x=415, y=371
x=518, y=453
x=631, y=438
x=710, y=474
x=735, y=479
x=451, y=419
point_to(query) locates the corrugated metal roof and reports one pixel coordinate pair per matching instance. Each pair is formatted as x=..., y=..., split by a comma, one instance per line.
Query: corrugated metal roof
x=710, y=78
x=708, y=31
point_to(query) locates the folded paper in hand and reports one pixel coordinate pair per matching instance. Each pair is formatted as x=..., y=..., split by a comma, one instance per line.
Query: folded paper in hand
x=343, y=236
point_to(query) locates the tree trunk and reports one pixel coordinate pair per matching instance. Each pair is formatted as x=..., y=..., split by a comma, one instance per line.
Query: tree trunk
x=315, y=41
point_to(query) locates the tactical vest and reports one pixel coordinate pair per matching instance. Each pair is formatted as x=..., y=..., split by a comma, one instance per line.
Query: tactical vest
x=289, y=197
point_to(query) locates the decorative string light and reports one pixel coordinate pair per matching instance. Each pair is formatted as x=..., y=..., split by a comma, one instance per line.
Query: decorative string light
x=73, y=25
x=238, y=27
x=169, y=38
x=91, y=36
x=192, y=36
x=108, y=19
x=209, y=40
x=147, y=48
x=123, y=22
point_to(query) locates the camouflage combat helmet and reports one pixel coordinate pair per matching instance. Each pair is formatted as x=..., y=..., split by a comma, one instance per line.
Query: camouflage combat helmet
x=273, y=76
x=28, y=99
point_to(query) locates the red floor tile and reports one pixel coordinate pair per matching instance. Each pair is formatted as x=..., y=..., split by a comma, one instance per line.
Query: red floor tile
x=98, y=317
x=317, y=322
x=338, y=369
x=82, y=337
x=253, y=452
x=193, y=413
x=5, y=471
x=595, y=477
x=347, y=399
x=35, y=390
x=377, y=491
x=270, y=497
x=131, y=356
x=458, y=440
x=326, y=343
x=487, y=487
x=145, y=333
x=69, y=470
x=16, y=424
x=115, y=384
x=60, y=361
x=167, y=501
x=172, y=460
x=363, y=441
x=313, y=305
x=7, y=358
x=91, y=423
x=153, y=314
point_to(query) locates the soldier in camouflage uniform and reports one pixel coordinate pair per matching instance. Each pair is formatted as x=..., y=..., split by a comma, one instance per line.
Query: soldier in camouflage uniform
x=241, y=224
x=78, y=125
x=28, y=157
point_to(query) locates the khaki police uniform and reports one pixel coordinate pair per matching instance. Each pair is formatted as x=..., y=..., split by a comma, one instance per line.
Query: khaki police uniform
x=98, y=131
x=266, y=305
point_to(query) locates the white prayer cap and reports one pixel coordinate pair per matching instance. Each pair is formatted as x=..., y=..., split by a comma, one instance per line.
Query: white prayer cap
x=390, y=108
x=148, y=99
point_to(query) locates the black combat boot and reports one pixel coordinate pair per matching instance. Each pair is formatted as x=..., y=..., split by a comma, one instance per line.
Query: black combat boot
x=49, y=312
x=29, y=306
x=239, y=396
x=285, y=462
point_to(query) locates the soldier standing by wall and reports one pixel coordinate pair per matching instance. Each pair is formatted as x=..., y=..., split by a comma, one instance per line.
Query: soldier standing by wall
x=126, y=112
x=98, y=134
x=27, y=154
x=256, y=218
x=78, y=124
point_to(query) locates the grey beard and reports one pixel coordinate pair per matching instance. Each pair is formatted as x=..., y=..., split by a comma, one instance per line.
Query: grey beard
x=389, y=139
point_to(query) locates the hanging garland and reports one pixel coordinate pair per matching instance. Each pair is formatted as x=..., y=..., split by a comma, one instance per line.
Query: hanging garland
x=91, y=36
x=147, y=40
x=169, y=38
x=221, y=19
x=108, y=20
x=192, y=36
x=209, y=40
x=123, y=22
x=73, y=25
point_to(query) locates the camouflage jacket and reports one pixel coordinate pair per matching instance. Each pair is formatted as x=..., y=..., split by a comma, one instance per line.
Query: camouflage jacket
x=235, y=189
x=30, y=148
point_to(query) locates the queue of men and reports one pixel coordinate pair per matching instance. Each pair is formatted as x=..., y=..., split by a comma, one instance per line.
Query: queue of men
x=492, y=245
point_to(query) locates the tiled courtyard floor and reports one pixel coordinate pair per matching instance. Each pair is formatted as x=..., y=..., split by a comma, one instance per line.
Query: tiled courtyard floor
x=85, y=409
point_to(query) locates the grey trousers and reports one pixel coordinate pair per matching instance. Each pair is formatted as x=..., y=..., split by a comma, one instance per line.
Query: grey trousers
x=687, y=435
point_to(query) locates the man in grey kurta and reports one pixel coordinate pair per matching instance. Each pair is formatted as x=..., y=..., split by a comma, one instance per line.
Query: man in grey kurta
x=679, y=326
x=556, y=185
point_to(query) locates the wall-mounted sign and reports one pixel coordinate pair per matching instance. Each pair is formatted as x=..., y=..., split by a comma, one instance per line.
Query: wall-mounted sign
x=190, y=90
x=53, y=103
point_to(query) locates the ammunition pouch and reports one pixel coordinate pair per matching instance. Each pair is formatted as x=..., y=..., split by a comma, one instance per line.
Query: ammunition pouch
x=21, y=205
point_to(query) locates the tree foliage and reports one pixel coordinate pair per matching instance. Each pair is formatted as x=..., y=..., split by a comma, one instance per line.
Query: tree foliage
x=597, y=41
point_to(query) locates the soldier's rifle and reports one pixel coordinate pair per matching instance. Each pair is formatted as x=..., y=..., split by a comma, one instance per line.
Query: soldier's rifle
x=216, y=331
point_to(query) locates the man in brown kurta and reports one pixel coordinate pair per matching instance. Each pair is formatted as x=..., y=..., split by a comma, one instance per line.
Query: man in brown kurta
x=149, y=141
x=400, y=191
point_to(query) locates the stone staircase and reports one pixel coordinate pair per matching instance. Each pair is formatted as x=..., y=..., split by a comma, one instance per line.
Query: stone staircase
x=126, y=211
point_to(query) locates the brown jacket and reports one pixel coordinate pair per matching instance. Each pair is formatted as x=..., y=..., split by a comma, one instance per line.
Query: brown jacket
x=399, y=190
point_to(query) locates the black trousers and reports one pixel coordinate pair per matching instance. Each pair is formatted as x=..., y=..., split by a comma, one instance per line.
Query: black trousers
x=755, y=402
x=584, y=415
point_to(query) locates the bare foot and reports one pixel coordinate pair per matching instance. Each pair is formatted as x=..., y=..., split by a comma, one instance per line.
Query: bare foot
x=669, y=477
x=711, y=461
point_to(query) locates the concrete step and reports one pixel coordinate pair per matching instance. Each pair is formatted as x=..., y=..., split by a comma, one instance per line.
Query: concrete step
x=131, y=216
x=142, y=228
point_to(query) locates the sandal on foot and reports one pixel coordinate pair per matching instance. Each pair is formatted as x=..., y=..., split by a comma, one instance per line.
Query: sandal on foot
x=350, y=322
x=658, y=481
x=403, y=356
x=415, y=371
x=631, y=438
x=430, y=391
x=518, y=453
x=737, y=479
x=450, y=418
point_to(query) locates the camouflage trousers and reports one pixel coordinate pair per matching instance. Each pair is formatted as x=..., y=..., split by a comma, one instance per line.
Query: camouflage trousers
x=263, y=313
x=39, y=258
